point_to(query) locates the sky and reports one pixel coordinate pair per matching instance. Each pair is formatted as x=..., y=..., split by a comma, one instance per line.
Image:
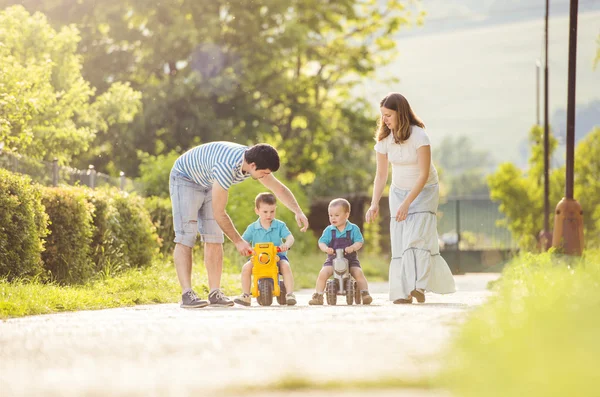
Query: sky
x=471, y=70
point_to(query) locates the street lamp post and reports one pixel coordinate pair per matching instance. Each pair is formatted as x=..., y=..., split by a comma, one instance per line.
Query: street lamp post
x=545, y=236
x=568, y=221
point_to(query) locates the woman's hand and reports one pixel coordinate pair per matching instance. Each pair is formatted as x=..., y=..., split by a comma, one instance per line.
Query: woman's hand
x=372, y=213
x=402, y=212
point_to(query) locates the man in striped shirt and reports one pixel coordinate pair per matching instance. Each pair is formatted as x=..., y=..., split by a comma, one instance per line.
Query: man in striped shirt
x=199, y=184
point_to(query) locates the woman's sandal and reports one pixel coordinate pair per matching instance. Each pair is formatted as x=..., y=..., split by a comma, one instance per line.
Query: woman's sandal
x=418, y=295
x=403, y=301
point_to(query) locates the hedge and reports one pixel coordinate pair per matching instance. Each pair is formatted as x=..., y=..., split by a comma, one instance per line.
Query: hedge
x=68, y=246
x=22, y=226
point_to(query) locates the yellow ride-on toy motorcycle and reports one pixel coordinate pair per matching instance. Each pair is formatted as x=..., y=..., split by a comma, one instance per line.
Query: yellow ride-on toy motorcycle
x=266, y=277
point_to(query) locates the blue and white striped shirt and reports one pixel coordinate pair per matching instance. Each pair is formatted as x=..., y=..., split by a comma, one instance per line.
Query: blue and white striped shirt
x=220, y=161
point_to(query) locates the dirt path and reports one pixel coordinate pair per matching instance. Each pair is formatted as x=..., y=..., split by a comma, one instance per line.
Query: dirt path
x=163, y=350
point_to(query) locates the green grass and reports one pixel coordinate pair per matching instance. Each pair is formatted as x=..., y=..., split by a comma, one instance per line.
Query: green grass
x=298, y=383
x=155, y=284
x=538, y=335
x=307, y=265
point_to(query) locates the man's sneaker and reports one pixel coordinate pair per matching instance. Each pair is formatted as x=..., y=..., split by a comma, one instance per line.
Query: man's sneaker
x=366, y=298
x=244, y=300
x=290, y=299
x=217, y=298
x=189, y=300
x=317, y=299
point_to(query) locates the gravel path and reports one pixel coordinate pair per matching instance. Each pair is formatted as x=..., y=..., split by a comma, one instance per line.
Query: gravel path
x=162, y=350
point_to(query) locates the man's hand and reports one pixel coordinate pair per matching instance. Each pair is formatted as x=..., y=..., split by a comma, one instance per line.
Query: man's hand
x=244, y=248
x=302, y=221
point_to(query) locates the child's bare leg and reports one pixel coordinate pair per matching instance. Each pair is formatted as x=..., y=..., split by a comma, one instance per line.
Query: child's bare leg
x=246, y=277
x=360, y=278
x=324, y=274
x=288, y=277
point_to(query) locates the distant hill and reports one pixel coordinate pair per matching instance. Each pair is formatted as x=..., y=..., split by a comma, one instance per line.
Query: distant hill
x=470, y=70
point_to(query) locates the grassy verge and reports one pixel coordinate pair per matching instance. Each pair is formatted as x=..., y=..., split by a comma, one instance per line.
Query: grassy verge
x=538, y=336
x=155, y=284
x=298, y=383
x=307, y=265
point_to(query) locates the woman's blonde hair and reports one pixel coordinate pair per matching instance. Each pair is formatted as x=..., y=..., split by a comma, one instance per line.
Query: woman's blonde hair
x=405, y=116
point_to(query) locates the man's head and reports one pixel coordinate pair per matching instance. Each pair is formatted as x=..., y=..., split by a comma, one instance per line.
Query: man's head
x=339, y=211
x=262, y=160
x=265, y=206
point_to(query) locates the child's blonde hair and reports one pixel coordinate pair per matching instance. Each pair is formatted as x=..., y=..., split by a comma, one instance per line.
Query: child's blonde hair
x=345, y=204
x=266, y=197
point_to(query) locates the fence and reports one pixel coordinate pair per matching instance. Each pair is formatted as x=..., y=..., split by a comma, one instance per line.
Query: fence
x=470, y=238
x=51, y=174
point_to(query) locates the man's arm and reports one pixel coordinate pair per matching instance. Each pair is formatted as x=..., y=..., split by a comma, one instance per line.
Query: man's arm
x=286, y=196
x=219, y=203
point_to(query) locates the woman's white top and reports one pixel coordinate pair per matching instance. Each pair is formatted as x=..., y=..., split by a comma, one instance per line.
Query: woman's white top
x=403, y=157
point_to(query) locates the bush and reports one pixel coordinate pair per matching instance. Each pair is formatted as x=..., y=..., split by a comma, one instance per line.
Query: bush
x=23, y=225
x=135, y=230
x=67, y=255
x=107, y=250
x=161, y=214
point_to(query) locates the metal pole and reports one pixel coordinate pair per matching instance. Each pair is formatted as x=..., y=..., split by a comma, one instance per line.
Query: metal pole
x=546, y=238
x=55, y=172
x=571, y=98
x=92, y=176
x=458, y=236
x=122, y=177
x=537, y=91
x=568, y=222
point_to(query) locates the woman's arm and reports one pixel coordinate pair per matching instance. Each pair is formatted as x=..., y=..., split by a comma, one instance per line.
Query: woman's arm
x=381, y=176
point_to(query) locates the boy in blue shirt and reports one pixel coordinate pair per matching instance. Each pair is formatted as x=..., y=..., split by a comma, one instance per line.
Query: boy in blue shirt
x=267, y=229
x=341, y=234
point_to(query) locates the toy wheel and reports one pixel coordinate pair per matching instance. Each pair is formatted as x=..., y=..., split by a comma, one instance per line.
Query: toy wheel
x=331, y=291
x=282, y=293
x=265, y=290
x=350, y=288
x=357, y=298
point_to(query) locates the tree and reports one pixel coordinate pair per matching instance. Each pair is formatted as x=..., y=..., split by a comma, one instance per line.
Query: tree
x=45, y=108
x=241, y=70
x=465, y=167
x=521, y=194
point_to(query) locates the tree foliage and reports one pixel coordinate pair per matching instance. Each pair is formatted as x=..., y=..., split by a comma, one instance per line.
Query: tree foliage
x=45, y=107
x=521, y=193
x=239, y=70
x=464, y=166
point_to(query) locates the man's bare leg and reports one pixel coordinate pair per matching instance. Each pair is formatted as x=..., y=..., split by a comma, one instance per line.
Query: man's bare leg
x=213, y=260
x=182, y=256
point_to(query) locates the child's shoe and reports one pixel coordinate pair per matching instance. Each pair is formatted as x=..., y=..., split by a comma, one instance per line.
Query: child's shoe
x=290, y=299
x=366, y=298
x=244, y=300
x=317, y=299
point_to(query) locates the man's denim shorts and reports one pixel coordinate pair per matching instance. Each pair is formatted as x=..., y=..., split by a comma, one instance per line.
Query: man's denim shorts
x=192, y=211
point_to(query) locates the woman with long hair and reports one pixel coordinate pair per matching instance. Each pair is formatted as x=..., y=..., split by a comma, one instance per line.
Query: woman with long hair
x=416, y=265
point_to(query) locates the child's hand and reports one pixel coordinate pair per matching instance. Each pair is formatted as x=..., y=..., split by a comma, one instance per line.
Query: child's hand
x=349, y=250
x=330, y=251
x=283, y=248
